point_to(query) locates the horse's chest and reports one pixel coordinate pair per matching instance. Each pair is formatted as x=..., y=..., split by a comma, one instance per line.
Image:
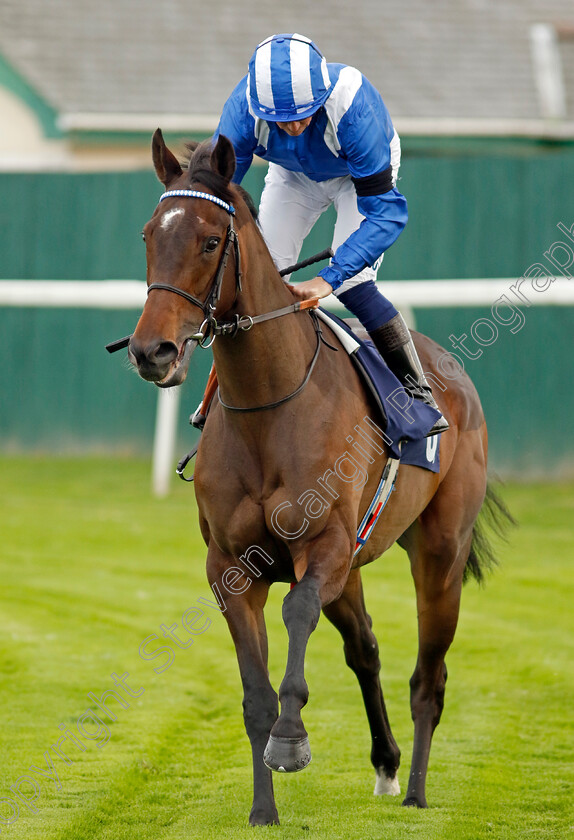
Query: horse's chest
x=241, y=509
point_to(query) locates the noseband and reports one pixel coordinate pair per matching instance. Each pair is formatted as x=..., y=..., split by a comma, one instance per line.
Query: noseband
x=209, y=305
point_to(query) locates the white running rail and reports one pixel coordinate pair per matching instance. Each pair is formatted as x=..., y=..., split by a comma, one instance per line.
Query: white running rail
x=131, y=294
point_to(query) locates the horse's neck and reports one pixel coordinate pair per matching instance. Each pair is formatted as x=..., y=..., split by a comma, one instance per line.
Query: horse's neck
x=268, y=361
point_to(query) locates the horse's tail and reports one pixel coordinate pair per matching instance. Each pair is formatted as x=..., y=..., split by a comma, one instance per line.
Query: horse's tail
x=494, y=517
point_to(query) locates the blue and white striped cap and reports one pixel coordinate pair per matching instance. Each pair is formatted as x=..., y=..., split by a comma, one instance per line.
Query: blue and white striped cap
x=288, y=79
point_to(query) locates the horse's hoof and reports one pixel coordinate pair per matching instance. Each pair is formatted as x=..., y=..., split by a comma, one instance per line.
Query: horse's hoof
x=262, y=816
x=287, y=755
x=414, y=802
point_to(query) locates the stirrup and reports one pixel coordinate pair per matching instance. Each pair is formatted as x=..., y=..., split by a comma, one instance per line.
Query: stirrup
x=440, y=426
x=422, y=391
x=197, y=419
x=199, y=416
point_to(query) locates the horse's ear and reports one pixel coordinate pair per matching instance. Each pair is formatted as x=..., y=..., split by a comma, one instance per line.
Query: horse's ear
x=223, y=158
x=166, y=164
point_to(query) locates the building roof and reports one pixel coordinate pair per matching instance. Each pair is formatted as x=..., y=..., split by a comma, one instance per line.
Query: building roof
x=465, y=60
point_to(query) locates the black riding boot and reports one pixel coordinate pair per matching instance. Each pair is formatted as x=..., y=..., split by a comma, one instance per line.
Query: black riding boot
x=394, y=343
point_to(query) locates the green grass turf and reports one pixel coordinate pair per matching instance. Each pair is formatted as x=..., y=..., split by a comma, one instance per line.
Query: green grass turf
x=91, y=565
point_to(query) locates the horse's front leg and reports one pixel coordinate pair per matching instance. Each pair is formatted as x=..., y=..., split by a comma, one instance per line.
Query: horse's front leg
x=328, y=561
x=244, y=614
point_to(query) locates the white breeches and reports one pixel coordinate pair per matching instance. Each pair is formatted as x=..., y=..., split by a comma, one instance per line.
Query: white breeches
x=291, y=203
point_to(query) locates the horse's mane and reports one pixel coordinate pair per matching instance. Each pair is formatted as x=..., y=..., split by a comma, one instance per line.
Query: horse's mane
x=198, y=165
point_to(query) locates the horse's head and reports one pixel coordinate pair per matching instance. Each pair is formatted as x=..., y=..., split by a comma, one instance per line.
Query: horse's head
x=188, y=239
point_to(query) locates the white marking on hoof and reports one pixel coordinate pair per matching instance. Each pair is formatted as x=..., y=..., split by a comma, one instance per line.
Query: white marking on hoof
x=385, y=785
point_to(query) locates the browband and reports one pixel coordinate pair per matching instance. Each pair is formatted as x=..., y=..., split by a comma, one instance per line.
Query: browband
x=195, y=194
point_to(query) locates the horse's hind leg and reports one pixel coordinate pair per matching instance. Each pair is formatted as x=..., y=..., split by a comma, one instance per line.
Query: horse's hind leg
x=438, y=544
x=351, y=619
x=438, y=606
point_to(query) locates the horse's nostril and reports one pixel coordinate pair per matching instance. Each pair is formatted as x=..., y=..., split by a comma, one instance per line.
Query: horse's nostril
x=154, y=355
x=164, y=353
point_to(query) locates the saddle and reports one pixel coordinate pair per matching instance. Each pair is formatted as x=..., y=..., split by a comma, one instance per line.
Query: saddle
x=403, y=420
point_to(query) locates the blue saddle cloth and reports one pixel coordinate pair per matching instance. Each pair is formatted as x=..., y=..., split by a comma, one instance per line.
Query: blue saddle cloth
x=404, y=421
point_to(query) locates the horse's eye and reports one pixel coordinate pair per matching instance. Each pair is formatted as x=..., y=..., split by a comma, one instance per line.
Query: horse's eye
x=212, y=244
x=143, y=235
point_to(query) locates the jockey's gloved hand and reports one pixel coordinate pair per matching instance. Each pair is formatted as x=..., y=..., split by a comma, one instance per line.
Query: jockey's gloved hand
x=317, y=287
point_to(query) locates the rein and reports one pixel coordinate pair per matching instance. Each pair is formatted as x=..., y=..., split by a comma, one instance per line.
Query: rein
x=267, y=406
x=180, y=469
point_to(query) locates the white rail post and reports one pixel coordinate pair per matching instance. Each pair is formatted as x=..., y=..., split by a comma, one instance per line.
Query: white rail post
x=163, y=465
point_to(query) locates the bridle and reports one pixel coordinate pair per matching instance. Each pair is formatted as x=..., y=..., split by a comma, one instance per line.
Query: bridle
x=210, y=328
x=209, y=305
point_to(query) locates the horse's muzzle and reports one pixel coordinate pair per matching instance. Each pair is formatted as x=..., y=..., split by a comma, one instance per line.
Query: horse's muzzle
x=161, y=362
x=153, y=360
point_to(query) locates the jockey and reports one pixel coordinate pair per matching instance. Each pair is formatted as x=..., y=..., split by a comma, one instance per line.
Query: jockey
x=329, y=140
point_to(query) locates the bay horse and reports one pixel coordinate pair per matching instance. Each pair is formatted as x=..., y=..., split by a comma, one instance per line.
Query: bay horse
x=285, y=413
